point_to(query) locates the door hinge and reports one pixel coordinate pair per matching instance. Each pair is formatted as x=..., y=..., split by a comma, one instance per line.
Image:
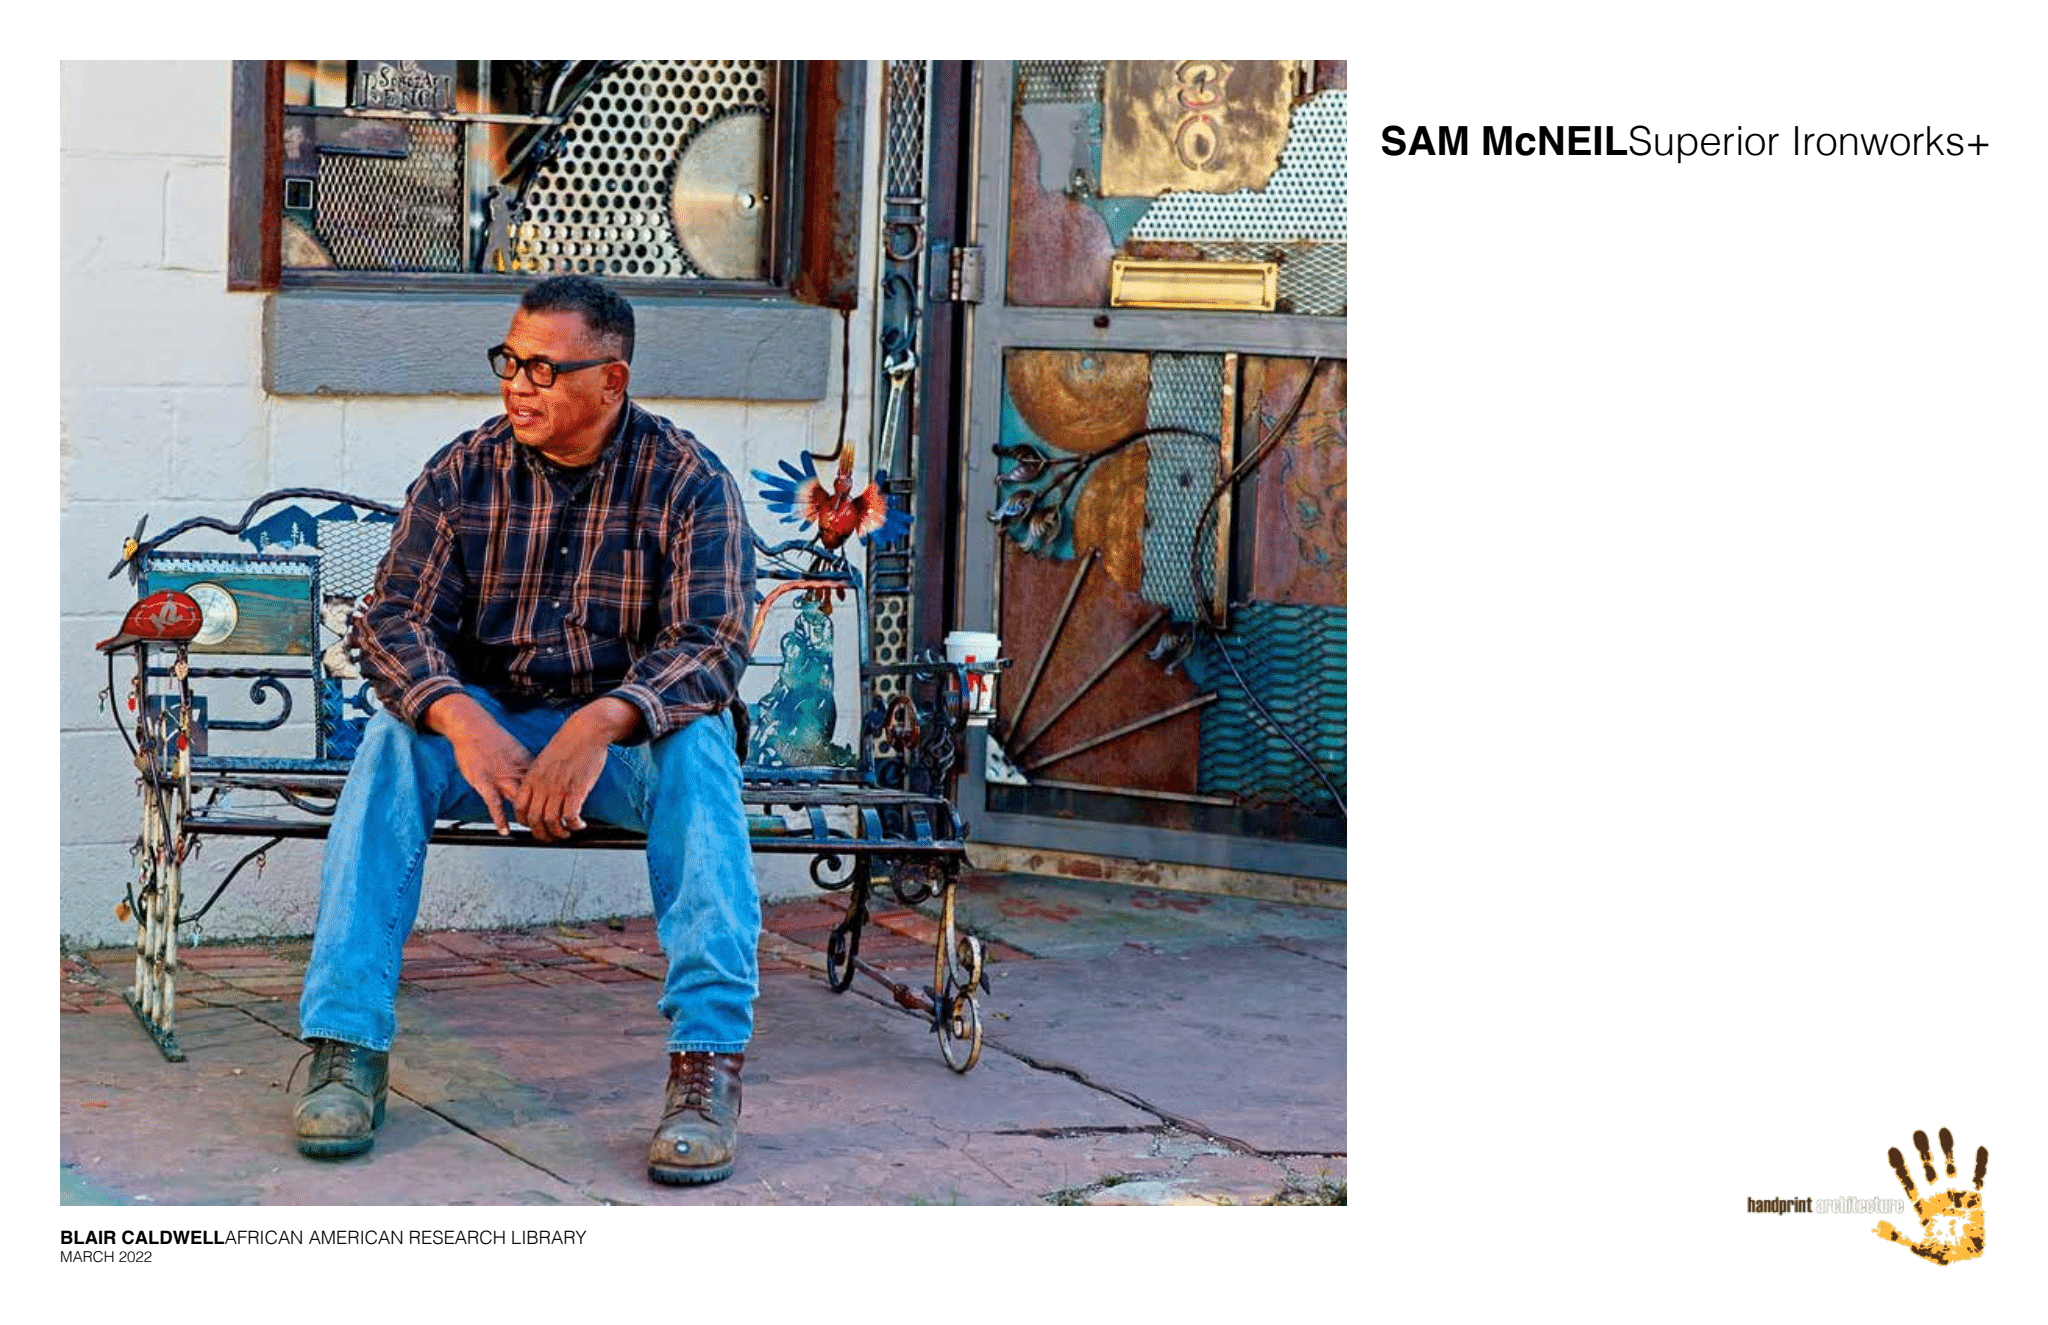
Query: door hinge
x=966, y=276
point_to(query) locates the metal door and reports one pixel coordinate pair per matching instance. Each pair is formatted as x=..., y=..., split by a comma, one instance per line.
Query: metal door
x=1161, y=302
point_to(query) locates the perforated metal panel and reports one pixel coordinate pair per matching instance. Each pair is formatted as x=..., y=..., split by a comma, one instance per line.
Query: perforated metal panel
x=380, y=213
x=889, y=642
x=1293, y=657
x=602, y=206
x=1187, y=392
x=1305, y=199
x=1059, y=80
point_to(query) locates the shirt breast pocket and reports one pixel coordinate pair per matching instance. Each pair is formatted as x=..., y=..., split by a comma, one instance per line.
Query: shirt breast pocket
x=620, y=601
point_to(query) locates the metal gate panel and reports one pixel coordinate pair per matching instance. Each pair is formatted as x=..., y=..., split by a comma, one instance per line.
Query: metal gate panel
x=1251, y=802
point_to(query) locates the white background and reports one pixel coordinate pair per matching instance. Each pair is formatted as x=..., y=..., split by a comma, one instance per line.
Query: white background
x=1700, y=514
x=1698, y=699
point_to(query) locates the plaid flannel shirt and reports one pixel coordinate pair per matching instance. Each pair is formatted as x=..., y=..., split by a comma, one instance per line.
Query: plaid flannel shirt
x=632, y=577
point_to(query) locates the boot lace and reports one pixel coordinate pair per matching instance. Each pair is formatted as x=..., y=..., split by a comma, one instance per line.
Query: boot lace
x=692, y=1077
x=332, y=1061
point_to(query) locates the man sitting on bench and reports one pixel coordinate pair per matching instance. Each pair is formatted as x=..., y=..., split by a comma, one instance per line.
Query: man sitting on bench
x=557, y=631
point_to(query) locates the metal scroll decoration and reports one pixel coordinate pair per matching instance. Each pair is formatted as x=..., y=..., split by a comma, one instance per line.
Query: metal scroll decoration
x=919, y=723
x=1037, y=488
x=291, y=527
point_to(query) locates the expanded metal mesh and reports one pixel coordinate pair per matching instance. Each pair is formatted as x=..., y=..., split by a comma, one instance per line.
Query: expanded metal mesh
x=1293, y=658
x=1187, y=392
x=379, y=213
x=350, y=552
x=1059, y=80
x=904, y=108
x=602, y=206
x=1305, y=199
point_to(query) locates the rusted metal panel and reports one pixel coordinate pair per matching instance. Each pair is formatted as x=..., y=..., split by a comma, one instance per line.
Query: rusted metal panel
x=1209, y=125
x=1299, y=492
x=1079, y=400
x=254, y=159
x=1083, y=401
x=829, y=270
x=272, y=611
x=1331, y=74
x=1059, y=246
x=1159, y=757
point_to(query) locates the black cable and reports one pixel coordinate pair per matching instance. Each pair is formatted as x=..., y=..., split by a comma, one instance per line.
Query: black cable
x=119, y=726
x=845, y=384
x=257, y=854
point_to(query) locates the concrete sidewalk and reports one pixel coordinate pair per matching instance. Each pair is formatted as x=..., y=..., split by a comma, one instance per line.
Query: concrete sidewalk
x=1141, y=1048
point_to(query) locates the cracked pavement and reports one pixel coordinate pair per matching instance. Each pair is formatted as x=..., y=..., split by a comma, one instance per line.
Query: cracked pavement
x=1141, y=1048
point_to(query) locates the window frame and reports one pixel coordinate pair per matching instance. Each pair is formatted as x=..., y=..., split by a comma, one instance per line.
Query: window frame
x=814, y=248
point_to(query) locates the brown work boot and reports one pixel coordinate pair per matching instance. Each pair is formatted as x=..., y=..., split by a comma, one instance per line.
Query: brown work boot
x=344, y=1101
x=700, y=1122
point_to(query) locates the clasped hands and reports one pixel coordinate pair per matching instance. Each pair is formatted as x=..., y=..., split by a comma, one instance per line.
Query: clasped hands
x=544, y=791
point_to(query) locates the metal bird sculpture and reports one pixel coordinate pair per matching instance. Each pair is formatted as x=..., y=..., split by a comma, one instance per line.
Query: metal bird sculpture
x=800, y=498
x=129, y=547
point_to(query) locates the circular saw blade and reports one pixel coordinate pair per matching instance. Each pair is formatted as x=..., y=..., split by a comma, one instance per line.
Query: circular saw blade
x=300, y=247
x=718, y=200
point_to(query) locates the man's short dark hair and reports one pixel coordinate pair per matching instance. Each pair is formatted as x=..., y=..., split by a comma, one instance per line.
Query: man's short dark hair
x=605, y=311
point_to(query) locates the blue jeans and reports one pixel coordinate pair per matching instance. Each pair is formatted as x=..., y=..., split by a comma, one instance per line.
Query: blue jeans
x=683, y=791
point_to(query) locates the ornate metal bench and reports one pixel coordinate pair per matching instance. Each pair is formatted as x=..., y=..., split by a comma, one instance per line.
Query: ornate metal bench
x=275, y=619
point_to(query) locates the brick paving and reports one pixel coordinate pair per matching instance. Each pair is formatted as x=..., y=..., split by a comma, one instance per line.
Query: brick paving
x=895, y=939
x=1139, y=1051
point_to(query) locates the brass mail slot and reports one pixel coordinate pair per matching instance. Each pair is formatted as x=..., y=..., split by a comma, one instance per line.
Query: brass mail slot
x=1238, y=287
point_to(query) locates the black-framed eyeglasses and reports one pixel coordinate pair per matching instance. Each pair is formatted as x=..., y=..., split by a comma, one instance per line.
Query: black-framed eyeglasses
x=541, y=372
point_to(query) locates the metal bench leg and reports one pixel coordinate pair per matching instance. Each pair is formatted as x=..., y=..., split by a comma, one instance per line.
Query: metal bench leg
x=153, y=998
x=956, y=973
x=163, y=744
x=843, y=947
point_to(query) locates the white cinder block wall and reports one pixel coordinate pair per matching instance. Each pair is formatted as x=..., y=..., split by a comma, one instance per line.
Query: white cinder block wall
x=163, y=412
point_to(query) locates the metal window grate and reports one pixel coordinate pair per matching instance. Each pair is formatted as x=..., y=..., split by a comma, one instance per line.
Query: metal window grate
x=379, y=213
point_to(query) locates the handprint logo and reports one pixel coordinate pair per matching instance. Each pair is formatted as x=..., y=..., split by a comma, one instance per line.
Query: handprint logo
x=1951, y=1222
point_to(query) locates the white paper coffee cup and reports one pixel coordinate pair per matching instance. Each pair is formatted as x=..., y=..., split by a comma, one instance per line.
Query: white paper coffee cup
x=966, y=646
